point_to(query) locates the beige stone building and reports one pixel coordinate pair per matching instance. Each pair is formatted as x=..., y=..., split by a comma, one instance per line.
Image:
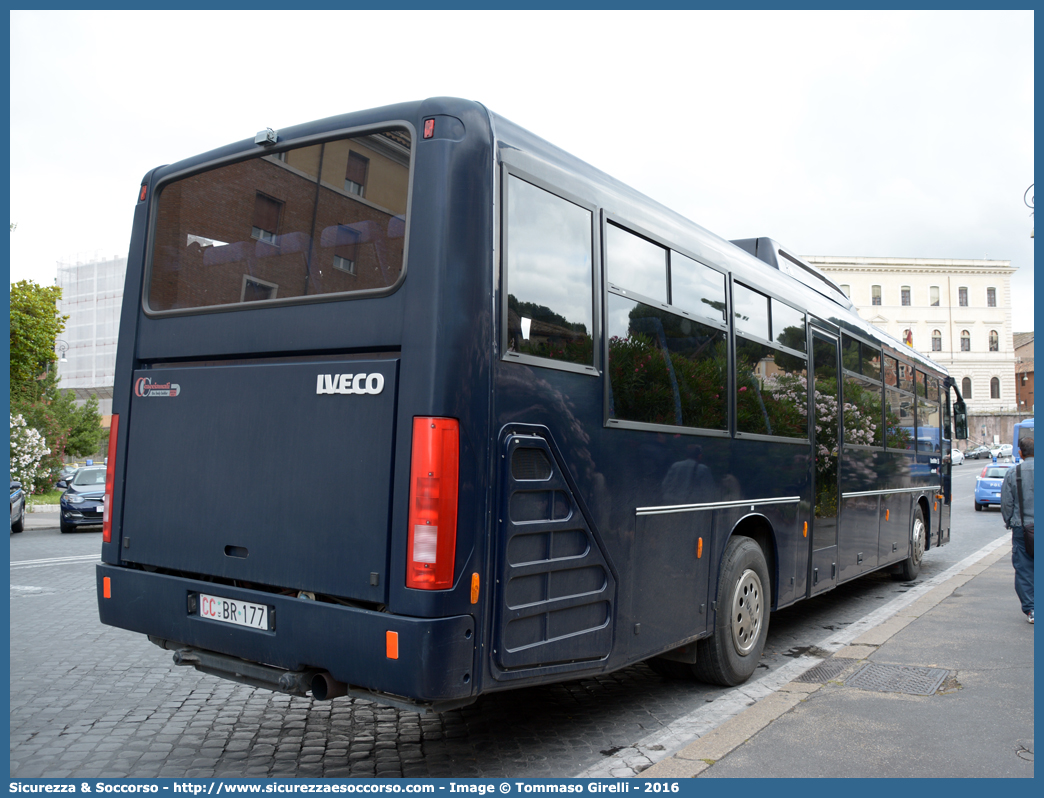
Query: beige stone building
x=957, y=312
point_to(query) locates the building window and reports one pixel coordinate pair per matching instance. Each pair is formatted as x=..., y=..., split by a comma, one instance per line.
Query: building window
x=994, y=341
x=962, y=296
x=965, y=341
x=875, y=295
x=933, y=296
x=995, y=388
x=254, y=289
x=266, y=218
x=346, y=249
x=847, y=290
x=991, y=297
x=936, y=340
x=355, y=174
x=966, y=388
x=904, y=293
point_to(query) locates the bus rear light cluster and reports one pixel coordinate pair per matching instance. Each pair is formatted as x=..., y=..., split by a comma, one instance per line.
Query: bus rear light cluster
x=434, y=467
x=110, y=480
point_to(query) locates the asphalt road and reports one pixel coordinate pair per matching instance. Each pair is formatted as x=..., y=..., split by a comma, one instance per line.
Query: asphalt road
x=89, y=700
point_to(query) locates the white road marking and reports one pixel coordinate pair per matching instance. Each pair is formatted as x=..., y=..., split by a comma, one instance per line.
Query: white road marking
x=83, y=558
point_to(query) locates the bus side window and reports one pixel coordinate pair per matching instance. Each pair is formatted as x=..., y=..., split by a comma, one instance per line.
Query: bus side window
x=696, y=288
x=635, y=263
x=549, y=275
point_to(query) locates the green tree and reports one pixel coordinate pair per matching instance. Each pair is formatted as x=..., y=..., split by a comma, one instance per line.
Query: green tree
x=70, y=430
x=35, y=325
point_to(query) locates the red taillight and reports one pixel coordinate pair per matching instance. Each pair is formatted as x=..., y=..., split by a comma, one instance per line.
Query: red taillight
x=429, y=128
x=433, y=503
x=110, y=480
x=142, y=193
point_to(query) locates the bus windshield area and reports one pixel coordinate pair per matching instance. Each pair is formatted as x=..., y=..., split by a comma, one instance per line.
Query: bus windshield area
x=327, y=218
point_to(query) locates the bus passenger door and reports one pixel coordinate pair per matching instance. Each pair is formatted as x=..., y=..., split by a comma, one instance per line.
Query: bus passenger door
x=825, y=448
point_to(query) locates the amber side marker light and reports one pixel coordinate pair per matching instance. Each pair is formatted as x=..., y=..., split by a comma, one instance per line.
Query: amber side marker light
x=391, y=644
x=805, y=533
x=474, y=588
x=699, y=548
x=110, y=481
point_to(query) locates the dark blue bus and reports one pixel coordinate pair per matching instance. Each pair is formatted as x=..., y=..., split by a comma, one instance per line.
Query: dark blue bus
x=411, y=404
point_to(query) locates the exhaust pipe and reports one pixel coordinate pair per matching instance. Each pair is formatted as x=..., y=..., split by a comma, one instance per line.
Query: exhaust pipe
x=325, y=686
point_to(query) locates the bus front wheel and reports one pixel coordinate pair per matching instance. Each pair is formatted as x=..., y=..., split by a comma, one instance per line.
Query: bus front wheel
x=730, y=655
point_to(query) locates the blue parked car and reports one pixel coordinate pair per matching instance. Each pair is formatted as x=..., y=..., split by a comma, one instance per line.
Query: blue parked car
x=988, y=485
x=82, y=503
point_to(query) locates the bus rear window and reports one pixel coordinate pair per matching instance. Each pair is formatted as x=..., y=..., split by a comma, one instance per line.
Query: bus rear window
x=324, y=219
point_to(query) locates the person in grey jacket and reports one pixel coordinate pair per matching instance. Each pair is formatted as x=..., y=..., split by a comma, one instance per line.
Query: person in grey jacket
x=1017, y=520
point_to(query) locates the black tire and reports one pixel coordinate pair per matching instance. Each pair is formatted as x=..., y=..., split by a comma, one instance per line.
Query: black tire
x=911, y=566
x=63, y=526
x=732, y=653
x=978, y=507
x=19, y=525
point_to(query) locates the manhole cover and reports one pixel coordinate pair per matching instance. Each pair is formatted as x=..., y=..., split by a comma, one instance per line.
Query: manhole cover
x=897, y=679
x=825, y=671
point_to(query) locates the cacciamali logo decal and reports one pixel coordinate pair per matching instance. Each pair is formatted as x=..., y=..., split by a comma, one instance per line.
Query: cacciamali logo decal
x=144, y=386
x=349, y=383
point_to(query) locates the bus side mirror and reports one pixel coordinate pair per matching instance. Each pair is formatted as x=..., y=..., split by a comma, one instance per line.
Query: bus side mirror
x=960, y=420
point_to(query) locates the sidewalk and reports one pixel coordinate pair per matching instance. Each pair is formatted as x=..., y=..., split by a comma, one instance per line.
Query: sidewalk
x=41, y=520
x=965, y=646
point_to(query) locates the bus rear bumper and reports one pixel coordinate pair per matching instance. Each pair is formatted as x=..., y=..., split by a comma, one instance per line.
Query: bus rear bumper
x=429, y=666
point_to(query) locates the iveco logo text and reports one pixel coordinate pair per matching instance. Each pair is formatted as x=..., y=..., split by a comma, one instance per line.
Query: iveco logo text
x=349, y=383
x=144, y=386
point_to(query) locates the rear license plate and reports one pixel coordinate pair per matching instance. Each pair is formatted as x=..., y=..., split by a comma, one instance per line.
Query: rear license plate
x=239, y=613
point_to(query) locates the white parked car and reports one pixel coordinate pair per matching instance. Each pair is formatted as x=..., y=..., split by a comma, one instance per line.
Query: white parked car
x=956, y=456
x=1001, y=452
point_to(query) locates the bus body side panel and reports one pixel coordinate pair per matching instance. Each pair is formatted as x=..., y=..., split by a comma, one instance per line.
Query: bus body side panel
x=667, y=578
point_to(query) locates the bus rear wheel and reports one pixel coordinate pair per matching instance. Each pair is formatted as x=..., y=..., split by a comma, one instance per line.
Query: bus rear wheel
x=731, y=654
x=911, y=566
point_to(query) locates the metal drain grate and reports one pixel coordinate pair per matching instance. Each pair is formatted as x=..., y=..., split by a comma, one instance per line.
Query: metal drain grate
x=897, y=679
x=825, y=671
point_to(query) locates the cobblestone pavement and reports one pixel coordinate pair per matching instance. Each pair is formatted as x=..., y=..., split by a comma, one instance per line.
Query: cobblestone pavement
x=89, y=700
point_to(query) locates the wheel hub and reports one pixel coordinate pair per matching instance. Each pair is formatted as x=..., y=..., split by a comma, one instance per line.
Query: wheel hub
x=918, y=540
x=748, y=611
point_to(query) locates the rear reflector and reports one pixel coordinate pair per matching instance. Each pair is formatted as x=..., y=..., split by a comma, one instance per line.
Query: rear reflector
x=110, y=480
x=391, y=644
x=106, y=587
x=433, y=503
x=429, y=128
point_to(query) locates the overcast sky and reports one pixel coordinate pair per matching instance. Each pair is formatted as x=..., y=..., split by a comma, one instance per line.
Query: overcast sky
x=879, y=134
